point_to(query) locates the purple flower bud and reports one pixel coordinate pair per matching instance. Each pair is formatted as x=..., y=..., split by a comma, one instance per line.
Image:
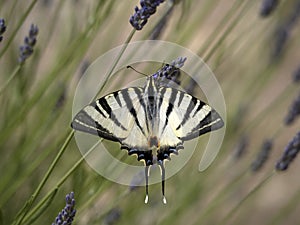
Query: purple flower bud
x=34, y=30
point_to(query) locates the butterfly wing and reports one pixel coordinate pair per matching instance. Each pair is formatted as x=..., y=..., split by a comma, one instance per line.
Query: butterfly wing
x=184, y=117
x=118, y=116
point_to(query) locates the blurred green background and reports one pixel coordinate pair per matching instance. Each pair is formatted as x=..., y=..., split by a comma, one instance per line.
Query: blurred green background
x=253, y=57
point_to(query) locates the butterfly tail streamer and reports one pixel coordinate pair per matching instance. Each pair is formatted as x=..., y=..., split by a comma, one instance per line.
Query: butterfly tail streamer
x=162, y=168
x=146, y=180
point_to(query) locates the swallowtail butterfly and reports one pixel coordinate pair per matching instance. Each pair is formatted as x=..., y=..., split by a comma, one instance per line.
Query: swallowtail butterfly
x=151, y=122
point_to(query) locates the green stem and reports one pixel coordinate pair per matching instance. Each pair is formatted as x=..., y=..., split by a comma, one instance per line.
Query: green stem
x=280, y=98
x=13, y=9
x=29, y=203
x=108, y=75
x=223, y=22
x=227, y=31
x=7, y=193
x=285, y=211
x=250, y=194
x=62, y=180
x=215, y=202
x=12, y=76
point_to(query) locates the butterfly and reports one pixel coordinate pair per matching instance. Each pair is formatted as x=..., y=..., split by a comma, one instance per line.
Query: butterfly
x=151, y=122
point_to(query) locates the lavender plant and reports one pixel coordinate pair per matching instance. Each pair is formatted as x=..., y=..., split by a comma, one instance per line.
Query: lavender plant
x=26, y=50
x=2, y=28
x=241, y=147
x=296, y=75
x=67, y=214
x=267, y=7
x=148, y=7
x=262, y=156
x=293, y=112
x=290, y=153
x=39, y=157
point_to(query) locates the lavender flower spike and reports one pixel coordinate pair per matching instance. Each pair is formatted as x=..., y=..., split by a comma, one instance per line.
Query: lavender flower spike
x=2, y=28
x=141, y=16
x=262, y=156
x=29, y=42
x=290, y=153
x=296, y=75
x=170, y=71
x=267, y=7
x=66, y=216
x=293, y=112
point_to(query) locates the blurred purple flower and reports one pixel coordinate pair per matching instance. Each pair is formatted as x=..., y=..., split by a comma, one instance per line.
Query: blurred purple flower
x=112, y=216
x=290, y=153
x=293, y=112
x=241, y=147
x=283, y=32
x=2, y=28
x=262, y=156
x=267, y=7
x=296, y=75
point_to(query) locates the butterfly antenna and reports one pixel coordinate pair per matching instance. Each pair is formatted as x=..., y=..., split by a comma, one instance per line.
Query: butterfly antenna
x=162, y=168
x=146, y=178
x=130, y=67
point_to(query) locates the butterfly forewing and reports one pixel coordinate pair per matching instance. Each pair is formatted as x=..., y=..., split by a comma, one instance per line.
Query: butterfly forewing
x=134, y=119
x=114, y=117
x=184, y=117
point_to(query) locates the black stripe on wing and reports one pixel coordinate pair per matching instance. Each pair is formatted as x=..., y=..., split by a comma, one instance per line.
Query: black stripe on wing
x=132, y=110
x=83, y=122
x=103, y=103
x=170, y=106
x=180, y=98
x=211, y=122
x=138, y=92
x=98, y=109
x=117, y=97
x=192, y=104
